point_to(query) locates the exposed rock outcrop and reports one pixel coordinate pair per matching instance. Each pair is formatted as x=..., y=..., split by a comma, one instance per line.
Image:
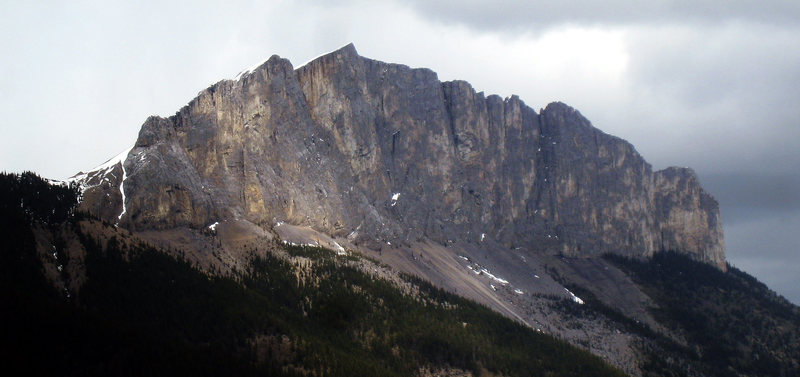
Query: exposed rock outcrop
x=382, y=152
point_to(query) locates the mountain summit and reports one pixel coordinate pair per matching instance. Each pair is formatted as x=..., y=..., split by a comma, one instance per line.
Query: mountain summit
x=381, y=153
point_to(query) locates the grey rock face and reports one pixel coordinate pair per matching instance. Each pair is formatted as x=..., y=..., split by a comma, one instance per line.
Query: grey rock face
x=381, y=152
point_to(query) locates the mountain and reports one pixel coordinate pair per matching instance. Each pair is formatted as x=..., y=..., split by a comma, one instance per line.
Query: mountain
x=355, y=207
x=378, y=152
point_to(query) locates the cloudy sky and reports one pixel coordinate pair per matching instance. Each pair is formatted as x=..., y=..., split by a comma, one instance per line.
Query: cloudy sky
x=714, y=85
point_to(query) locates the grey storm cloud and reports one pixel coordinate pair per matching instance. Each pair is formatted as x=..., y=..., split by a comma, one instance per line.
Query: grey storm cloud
x=521, y=14
x=732, y=88
x=754, y=196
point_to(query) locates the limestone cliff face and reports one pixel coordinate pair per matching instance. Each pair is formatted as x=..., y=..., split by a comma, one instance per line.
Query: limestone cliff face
x=381, y=152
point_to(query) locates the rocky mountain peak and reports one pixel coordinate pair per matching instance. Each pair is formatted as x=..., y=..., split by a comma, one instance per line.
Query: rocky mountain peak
x=347, y=53
x=382, y=153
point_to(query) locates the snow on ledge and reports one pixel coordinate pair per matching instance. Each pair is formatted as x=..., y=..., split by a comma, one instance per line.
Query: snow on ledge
x=248, y=70
x=574, y=298
x=113, y=161
x=339, y=249
x=118, y=159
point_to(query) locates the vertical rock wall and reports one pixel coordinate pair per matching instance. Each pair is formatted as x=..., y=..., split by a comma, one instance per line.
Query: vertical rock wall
x=382, y=152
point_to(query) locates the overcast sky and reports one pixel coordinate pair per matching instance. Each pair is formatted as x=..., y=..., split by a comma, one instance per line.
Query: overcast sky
x=714, y=85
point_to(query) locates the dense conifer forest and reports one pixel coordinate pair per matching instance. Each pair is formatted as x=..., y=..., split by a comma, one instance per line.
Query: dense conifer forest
x=734, y=323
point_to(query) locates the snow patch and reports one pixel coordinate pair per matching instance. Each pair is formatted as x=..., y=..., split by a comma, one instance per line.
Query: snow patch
x=493, y=277
x=574, y=298
x=118, y=159
x=483, y=235
x=77, y=178
x=248, y=71
x=519, y=291
x=480, y=270
x=213, y=226
x=339, y=249
x=315, y=244
x=108, y=165
x=105, y=169
x=395, y=196
x=121, y=161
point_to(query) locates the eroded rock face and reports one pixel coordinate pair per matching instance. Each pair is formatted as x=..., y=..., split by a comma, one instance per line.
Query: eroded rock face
x=381, y=152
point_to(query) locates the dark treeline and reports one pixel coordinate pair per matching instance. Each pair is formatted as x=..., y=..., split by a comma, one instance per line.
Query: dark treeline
x=735, y=324
x=27, y=196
